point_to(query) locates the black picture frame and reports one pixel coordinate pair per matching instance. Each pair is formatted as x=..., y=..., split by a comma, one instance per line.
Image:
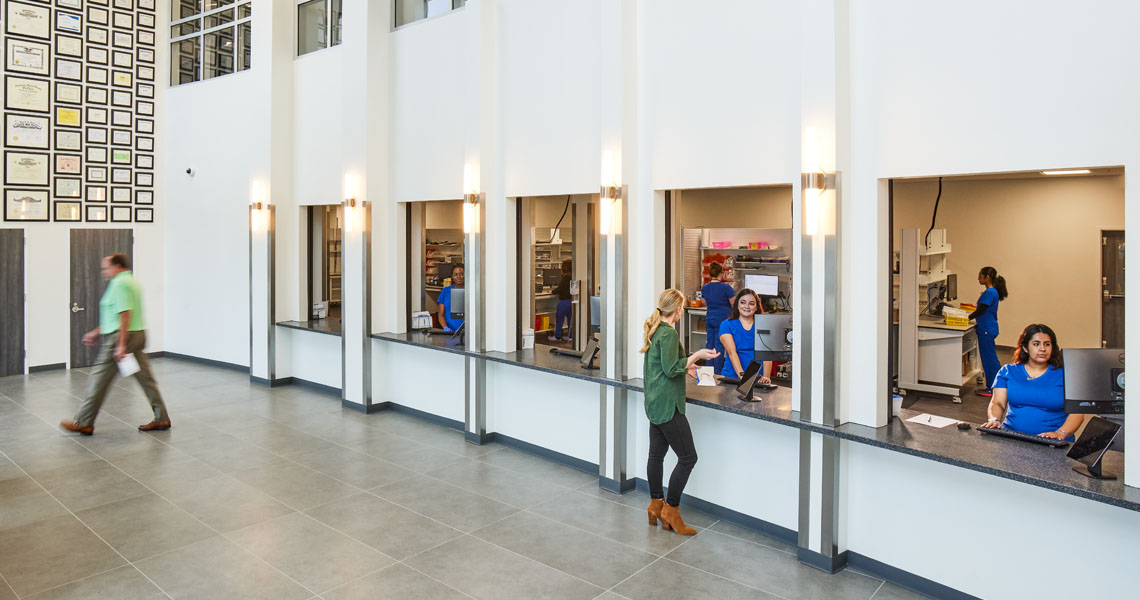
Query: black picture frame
x=144, y=179
x=124, y=192
x=128, y=157
x=146, y=20
x=97, y=75
x=145, y=55
x=122, y=59
x=144, y=197
x=123, y=79
x=95, y=213
x=146, y=5
x=121, y=175
x=122, y=98
x=96, y=154
x=144, y=214
x=64, y=84
x=144, y=143
x=77, y=204
x=146, y=38
x=97, y=55
x=55, y=164
x=67, y=146
x=124, y=4
x=98, y=191
x=93, y=174
x=144, y=161
x=79, y=112
x=78, y=24
x=144, y=90
x=8, y=22
x=96, y=135
x=121, y=118
x=74, y=39
x=144, y=108
x=7, y=172
x=122, y=20
x=46, y=198
x=121, y=214
x=98, y=16
x=122, y=39
x=44, y=47
x=97, y=95
x=61, y=73
x=144, y=125
x=7, y=97
x=121, y=137
x=145, y=72
x=43, y=122
x=96, y=115
x=97, y=35
x=78, y=192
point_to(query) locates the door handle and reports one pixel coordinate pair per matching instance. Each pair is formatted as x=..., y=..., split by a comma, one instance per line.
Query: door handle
x=1106, y=295
x=76, y=308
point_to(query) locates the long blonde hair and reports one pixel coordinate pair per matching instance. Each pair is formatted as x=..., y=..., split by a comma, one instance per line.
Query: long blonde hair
x=669, y=302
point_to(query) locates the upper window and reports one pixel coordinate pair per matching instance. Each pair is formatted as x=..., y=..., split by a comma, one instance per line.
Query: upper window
x=209, y=38
x=318, y=25
x=414, y=10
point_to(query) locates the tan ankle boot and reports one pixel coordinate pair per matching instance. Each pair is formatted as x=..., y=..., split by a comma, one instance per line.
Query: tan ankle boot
x=671, y=519
x=654, y=510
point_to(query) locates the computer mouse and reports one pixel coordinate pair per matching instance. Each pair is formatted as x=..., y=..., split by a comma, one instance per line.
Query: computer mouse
x=964, y=426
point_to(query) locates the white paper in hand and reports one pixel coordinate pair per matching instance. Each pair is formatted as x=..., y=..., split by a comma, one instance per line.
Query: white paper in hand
x=128, y=366
x=705, y=376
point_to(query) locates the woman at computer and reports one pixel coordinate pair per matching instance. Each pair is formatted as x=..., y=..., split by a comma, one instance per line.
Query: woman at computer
x=445, y=319
x=1029, y=393
x=738, y=336
x=718, y=306
x=665, y=369
x=987, y=325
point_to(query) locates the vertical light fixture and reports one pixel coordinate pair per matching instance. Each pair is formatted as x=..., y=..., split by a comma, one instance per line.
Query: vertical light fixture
x=256, y=205
x=470, y=201
x=610, y=192
x=349, y=202
x=813, y=181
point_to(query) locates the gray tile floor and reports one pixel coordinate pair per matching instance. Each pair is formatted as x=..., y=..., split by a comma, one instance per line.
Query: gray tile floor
x=259, y=493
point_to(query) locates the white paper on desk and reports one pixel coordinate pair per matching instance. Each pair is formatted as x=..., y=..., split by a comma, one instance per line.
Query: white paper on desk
x=706, y=376
x=932, y=420
x=128, y=366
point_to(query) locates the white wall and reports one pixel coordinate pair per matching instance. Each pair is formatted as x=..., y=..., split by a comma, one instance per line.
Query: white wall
x=756, y=207
x=419, y=378
x=553, y=412
x=317, y=104
x=315, y=357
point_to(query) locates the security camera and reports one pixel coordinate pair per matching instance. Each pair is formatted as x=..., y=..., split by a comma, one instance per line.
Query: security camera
x=189, y=171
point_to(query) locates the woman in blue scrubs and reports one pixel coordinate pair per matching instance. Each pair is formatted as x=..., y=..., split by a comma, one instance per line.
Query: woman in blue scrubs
x=1029, y=393
x=987, y=325
x=718, y=306
x=444, y=300
x=738, y=336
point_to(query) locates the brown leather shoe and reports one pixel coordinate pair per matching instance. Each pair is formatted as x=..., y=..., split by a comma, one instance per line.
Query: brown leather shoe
x=74, y=427
x=654, y=509
x=155, y=426
x=671, y=519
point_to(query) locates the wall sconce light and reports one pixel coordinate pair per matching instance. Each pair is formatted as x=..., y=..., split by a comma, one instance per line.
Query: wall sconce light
x=813, y=181
x=470, y=202
x=257, y=207
x=610, y=192
x=349, y=203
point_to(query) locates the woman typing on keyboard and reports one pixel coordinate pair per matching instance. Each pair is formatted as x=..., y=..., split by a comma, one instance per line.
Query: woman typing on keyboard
x=1029, y=393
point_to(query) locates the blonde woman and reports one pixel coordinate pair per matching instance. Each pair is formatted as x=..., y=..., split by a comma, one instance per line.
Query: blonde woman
x=665, y=369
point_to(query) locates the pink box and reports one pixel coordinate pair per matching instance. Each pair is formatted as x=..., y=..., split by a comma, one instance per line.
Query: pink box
x=721, y=245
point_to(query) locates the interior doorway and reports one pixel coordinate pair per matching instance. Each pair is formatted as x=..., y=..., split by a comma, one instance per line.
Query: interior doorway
x=1112, y=292
x=88, y=248
x=12, y=302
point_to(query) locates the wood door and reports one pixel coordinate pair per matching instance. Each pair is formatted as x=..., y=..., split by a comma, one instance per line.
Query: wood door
x=1112, y=289
x=88, y=248
x=11, y=302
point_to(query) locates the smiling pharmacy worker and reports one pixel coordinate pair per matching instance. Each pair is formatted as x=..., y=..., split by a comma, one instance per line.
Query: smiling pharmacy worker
x=738, y=337
x=986, y=318
x=444, y=301
x=1029, y=393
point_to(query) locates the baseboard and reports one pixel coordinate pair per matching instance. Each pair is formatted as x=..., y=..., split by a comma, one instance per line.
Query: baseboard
x=551, y=455
x=828, y=564
x=360, y=408
x=203, y=361
x=426, y=416
x=615, y=486
x=316, y=387
x=905, y=579
x=772, y=530
x=44, y=368
x=281, y=381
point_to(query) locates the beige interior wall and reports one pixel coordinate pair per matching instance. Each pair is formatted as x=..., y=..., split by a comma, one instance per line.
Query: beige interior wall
x=443, y=214
x=1041, y=234
x=767, y=207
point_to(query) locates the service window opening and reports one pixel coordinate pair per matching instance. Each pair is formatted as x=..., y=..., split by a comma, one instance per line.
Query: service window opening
x=435, y=265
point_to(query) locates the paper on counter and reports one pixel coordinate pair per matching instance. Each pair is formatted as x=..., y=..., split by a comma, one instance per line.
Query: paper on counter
x=706, y=376
x=932, y=420
x=128, y=366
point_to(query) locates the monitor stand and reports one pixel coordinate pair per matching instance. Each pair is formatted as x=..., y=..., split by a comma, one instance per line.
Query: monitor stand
x=1094, y=471
x=460, y=333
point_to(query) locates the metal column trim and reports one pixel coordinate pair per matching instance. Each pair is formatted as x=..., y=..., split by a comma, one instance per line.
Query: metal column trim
x=271, y=296
x=366, y=321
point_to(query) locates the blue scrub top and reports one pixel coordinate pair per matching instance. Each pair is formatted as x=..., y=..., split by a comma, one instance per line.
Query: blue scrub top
x=445, y=300
x=1035, y=405
x=745, y=340
x=987, y=321
x=718, y=297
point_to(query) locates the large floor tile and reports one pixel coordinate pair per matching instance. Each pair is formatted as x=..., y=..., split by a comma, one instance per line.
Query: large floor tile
x=295, y=485
x=459, y=508
x=164, y=468
x=600, y=561
x=143, y=526
x=121, y=440
x=505, y=486
x=9, y=470
x=46, y=453
x=538, y=468
x=890, y=591
x=309, y=551
x=396, y=581
x=218, y=568
x=42, y=555
x=487, y=572
x=667, y=580
x=282, y=439
x=752, y=536
x=89, y=484
x=6, y=592
x=411, y=455
x=395, y=531
x=617, y=522
x=23, y=501
x=225, y=503
x=227, y=453
x=353, y=467
x=770, y=570
x=449, y=440
x=124, y=583
x=640, y=500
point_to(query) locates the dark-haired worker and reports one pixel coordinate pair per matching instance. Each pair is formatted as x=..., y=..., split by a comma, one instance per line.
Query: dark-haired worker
x=445, y=318
x=718, y=306
x=986, y=318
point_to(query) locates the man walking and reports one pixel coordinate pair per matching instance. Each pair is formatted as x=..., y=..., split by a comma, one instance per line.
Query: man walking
x=121, y=331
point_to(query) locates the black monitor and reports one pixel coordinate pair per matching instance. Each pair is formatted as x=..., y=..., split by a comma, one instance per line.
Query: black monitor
x=747, y=388
x=1094, y=381
x=1091, y=446
x=951, y=290
x=458, y=299
x=551, y=277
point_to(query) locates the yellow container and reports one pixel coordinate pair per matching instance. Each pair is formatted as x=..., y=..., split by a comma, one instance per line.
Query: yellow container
x=957, y=321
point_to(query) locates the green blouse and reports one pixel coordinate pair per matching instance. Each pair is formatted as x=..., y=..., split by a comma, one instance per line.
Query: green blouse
x=664, y=375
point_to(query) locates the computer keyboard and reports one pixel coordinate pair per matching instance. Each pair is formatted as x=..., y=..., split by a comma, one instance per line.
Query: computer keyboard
x=1025, y=437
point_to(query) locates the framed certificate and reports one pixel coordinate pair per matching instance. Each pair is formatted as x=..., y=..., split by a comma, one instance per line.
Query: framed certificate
x=146, y=20
x=144, y=125
x=146, y=37
x=120, y=98
x=144, y=197
x=146, y=4
x=67, y=22
x=146, y=90
x=121, y=118
x=27, y=57
x=66, y=45
x=26, y=168
x=68, y=210
x=97, y=35
x=146, y=55
x=124, y=20
x=121, y=137
x=97, y=154
x=122, y=59
x=120, y=214
x=68, y=93
x=121, y=195
x=97, y=115
x=100, y=2
x=120, y=175
x=97, y=15
x=144, y=179
x=146, y=73
x=67, y=117
x=144, y=161
x=97, y=75
x=76, y=4
x=122, y=39
x=97, y=55
x=68, y=139
x=23, y=93
x=68, y=69
x=96, y=174
x=120, y=156
x=96, y=193
x=144, y=143
x=25, y=131
x=25, y=205
x=68, y=164
x=68, y=187
x=126, y=4
x=96, y=95
x=144, y=215
x=96, y=213
x=122, y=79
x=28, y=20
x=96, y=135
x=144, y=107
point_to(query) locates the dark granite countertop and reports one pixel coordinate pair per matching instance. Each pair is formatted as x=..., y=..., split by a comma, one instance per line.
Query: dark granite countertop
x=1033, y=464
x=325, y=326
x=435, y=341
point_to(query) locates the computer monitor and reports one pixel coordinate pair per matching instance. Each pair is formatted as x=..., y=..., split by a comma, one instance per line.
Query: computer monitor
x=590, y=353
x=596, y=312
x=747, y=387
x=764, y=285
x=457, y=299
x=951, y=291
x=1091, y=446
x=1094, y=381
x=551, y=277
x=772, y=332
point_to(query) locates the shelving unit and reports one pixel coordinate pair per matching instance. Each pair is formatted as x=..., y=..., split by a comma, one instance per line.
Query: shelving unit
x=544, y=305
x=333, y=260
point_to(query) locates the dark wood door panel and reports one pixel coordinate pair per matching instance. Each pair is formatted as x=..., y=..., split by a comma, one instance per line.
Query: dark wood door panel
x=88, y=248
x=11, y=302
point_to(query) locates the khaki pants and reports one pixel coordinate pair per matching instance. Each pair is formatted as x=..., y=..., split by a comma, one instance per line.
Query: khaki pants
x=104, y=371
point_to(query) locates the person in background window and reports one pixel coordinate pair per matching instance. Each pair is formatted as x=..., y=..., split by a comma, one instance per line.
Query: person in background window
x=1029, y=393
x=738, y=336
x=565, y=303
x=665, y=368
x=986, y=319
x=718, y=306
x=448, y=323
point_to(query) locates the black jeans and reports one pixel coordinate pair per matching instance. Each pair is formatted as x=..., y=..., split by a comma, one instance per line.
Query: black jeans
x=677, y=435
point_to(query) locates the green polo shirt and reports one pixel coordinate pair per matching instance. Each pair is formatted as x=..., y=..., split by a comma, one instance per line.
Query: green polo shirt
x=122, y=293
x=664, y=375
